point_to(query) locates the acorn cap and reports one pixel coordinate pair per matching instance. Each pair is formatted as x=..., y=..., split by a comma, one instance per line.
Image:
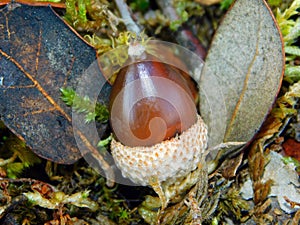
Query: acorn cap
x=165, y=161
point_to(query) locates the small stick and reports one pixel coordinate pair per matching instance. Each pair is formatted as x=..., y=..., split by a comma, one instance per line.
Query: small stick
x=126, y=16
x=292, y=203
x=184, y=36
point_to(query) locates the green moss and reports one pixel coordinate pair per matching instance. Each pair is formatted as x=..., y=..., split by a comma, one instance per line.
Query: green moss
x=139, y=5
x=232, y=205
x=274, y=2
x=290, y=29
x=185, y=9
x=80, y=104
x=17, y=157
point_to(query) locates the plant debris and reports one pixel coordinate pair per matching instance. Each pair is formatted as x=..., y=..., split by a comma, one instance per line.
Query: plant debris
x=36, y=191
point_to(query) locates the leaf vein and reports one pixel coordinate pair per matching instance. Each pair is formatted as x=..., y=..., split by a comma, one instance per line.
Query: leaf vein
x=37, y=85
x=244, y=89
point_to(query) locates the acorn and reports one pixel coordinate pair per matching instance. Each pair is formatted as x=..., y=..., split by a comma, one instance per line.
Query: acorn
x=158, y=134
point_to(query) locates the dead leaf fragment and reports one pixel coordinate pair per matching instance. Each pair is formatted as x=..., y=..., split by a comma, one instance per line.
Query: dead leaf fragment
x=231, y=166
x=242, y=73
x=285, y=182
x=292, y=148
x=35, y=3
x=39, y=54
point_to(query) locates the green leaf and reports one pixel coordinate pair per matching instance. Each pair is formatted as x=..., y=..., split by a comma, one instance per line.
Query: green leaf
x=15, y=169
x=293, y=50
x=242, y=73
x=225, y=4
x=274, y=2
x=293, y=29
x=105, y=142
x=140, y=5
x=292, y=73
x=67, y=95
x=79, y=199
x=290, y=29
x=289, y=159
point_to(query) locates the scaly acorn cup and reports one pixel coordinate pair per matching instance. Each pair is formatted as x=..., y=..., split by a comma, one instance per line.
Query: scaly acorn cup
x=157, y=132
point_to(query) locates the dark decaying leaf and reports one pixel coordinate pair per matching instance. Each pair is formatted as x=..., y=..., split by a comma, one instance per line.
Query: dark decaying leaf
x=39, y=54
x=35, y=3
x=292, y=148
x=242, y=74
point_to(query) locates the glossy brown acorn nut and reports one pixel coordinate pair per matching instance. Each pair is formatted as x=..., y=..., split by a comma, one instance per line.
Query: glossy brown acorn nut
x=151, y=102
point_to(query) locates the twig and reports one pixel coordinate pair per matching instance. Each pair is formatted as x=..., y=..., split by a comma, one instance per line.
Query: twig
x=208, y=2
x=126, y=16
x=184, y=36
x=292, y=203
x=9, y=160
